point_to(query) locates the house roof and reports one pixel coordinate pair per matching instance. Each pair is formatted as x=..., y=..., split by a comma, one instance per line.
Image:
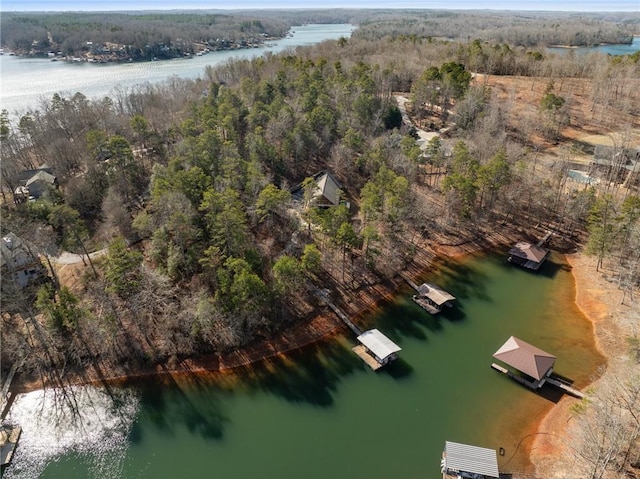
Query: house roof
x=525, y=357
x=434, y=293
x=622, y=157
x=529, y=251
x=378, y=343
x=25, y=175
x=473, y=459
x=328, y=187
x=13, y=251
x=41, y=175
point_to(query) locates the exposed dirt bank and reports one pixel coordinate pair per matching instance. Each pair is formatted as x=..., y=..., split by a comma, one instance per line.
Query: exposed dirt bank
x=600, y=300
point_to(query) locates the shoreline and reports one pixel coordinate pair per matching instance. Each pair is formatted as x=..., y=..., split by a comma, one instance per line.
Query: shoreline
x=429, y=255
x=323, y=327
x=600, y=302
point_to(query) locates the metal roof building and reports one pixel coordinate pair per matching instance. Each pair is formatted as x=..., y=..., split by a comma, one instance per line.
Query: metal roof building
x=459, y=459
x=438, y=295
x=526, y=358
x=528, y=255
x=379, y=345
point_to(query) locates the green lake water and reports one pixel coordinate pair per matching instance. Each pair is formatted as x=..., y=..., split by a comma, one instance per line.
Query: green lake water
x=321, y=413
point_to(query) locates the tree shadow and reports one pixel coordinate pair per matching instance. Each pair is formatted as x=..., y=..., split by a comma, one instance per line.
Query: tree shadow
x=463, y=280
x=167, y=404
x=310, y=376
x=405, y=318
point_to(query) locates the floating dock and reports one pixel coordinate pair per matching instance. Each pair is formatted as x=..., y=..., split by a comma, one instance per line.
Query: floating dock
x=9, y=437
x=370, y=361
x=424, y=304
x=519, y=379
x=429, y=297
x=375, y=349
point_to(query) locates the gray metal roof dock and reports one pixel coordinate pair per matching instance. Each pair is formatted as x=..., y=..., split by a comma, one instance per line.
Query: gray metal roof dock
x=459, y=459
x=378, y=344
x=436, y=294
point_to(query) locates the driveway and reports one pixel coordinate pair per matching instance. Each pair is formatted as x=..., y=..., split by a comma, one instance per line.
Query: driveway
x=73, y=258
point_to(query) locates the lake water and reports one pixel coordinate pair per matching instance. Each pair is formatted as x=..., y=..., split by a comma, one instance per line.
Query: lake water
x=321, y=413
x=617, y=49
x=25, y=81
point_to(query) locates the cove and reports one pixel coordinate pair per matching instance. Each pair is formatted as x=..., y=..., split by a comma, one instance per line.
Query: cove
x=321, y=412
x=607, y=49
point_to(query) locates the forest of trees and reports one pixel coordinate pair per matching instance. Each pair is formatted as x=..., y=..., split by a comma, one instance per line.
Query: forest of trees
x=135, y=36
x=206, y=249
x=147, y=35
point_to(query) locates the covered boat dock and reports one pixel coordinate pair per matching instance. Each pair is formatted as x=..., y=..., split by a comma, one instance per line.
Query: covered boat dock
x=535, y=363
x=463, y=460
x=376, y=349
x=432, y=298
x=528, y=255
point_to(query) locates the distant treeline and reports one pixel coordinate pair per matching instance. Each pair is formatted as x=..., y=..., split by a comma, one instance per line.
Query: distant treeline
x=526, y=29
x=145, y=35
x=138, y=36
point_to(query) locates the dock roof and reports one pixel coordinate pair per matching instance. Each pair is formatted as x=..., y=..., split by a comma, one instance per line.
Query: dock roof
x=529, y=251
x=434, y=293
x=473, y=459
x=525, y=357
x=378, y=343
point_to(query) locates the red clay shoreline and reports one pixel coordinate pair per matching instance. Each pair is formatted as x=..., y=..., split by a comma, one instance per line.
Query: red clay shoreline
x=322, y=327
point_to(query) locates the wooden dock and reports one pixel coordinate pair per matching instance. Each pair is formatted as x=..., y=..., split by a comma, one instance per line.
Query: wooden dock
x=361, y=351
x=565, y=387
x=515, y=377
x=424, y=304
x=357, y=331
x=550, y=380
x=545, y=240
x=9, y=437
x=375, y=349
x=409, y=282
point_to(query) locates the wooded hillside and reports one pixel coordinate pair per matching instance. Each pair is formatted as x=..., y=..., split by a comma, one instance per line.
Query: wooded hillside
x=204, y=193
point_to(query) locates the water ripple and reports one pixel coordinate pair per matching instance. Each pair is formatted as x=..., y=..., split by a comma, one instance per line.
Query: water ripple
x=91, y=422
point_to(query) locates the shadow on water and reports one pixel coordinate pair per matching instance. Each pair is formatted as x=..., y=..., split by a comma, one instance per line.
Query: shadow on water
x=462, y=280
x=547, y=392
x=454, y=313
x=310, y=376
x=550, y=393
x=398, y=369
x=405, y=318
x=198, y=407
x=550, y=269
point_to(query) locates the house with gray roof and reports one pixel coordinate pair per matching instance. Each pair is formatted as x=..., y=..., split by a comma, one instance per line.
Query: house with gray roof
x=19, y=264
x=34, y=183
